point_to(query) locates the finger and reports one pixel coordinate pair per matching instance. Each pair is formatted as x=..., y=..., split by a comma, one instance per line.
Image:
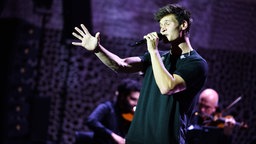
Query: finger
x=156, y=36
x=151, y=37
x=147, y=37
x=79, y=31
x=77, y=36
x=97, y=35
x=85, y=29
x=76, y=43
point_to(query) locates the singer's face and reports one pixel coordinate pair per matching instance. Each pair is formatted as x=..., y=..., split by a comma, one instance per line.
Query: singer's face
x=169, y=26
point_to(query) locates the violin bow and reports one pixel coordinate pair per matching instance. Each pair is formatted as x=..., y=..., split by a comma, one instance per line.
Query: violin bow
x=233, y=103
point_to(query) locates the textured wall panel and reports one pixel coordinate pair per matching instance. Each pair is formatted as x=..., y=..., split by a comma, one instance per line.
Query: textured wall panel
x=75, y=81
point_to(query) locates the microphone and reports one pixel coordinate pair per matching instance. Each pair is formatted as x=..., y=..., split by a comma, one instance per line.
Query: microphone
x=143, y=41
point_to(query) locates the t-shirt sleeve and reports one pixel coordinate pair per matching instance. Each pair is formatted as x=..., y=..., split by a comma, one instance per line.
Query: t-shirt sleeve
x=193, y=71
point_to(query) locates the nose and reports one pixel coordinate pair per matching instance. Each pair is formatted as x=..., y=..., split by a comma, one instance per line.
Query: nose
x=162, y=29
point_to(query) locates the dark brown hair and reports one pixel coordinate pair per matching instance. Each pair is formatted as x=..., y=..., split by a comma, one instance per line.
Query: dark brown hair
x=180, y=13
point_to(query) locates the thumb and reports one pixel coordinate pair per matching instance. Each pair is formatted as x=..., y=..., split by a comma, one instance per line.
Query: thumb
x=97, y=35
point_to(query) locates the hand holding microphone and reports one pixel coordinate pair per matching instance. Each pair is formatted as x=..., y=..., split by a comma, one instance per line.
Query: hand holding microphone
x=143, y=41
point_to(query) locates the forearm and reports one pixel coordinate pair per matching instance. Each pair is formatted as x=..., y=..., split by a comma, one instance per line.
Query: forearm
x=126, y=65
x=96, y=126
x=167, y=83
x=109, y=59
x=100, y=129
x=164, y=79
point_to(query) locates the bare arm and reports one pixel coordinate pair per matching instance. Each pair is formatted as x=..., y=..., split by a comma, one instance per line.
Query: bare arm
x=90, y=43
x=128, y=65
x=166, y=82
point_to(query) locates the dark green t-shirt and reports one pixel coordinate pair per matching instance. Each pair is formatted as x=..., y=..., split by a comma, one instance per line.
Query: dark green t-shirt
x=162, y=119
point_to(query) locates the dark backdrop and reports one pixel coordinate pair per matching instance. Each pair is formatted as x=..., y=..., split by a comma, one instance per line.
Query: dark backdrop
x=48, y=86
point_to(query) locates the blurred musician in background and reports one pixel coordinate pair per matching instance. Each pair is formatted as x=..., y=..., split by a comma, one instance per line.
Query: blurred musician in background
x=110, y=120
x=208, y=121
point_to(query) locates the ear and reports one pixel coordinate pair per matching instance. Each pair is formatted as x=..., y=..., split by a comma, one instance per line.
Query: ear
x=184, y=25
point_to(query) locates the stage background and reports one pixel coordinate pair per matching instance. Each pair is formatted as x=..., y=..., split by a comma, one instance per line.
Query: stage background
x=49, y=87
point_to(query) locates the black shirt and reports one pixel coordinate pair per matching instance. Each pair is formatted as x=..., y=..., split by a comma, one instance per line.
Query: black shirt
x=162, y=119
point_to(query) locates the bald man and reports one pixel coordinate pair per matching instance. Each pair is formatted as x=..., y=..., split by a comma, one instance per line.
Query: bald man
x=208, y=105
x=208, y=101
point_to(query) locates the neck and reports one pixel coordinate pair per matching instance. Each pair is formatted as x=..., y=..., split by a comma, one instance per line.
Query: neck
x=182, y=45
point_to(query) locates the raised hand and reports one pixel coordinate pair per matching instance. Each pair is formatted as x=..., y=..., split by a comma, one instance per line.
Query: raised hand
x=87, y=40
x=152, y=41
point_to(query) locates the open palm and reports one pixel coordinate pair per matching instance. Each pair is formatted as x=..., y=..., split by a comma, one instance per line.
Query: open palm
x=87, y=40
